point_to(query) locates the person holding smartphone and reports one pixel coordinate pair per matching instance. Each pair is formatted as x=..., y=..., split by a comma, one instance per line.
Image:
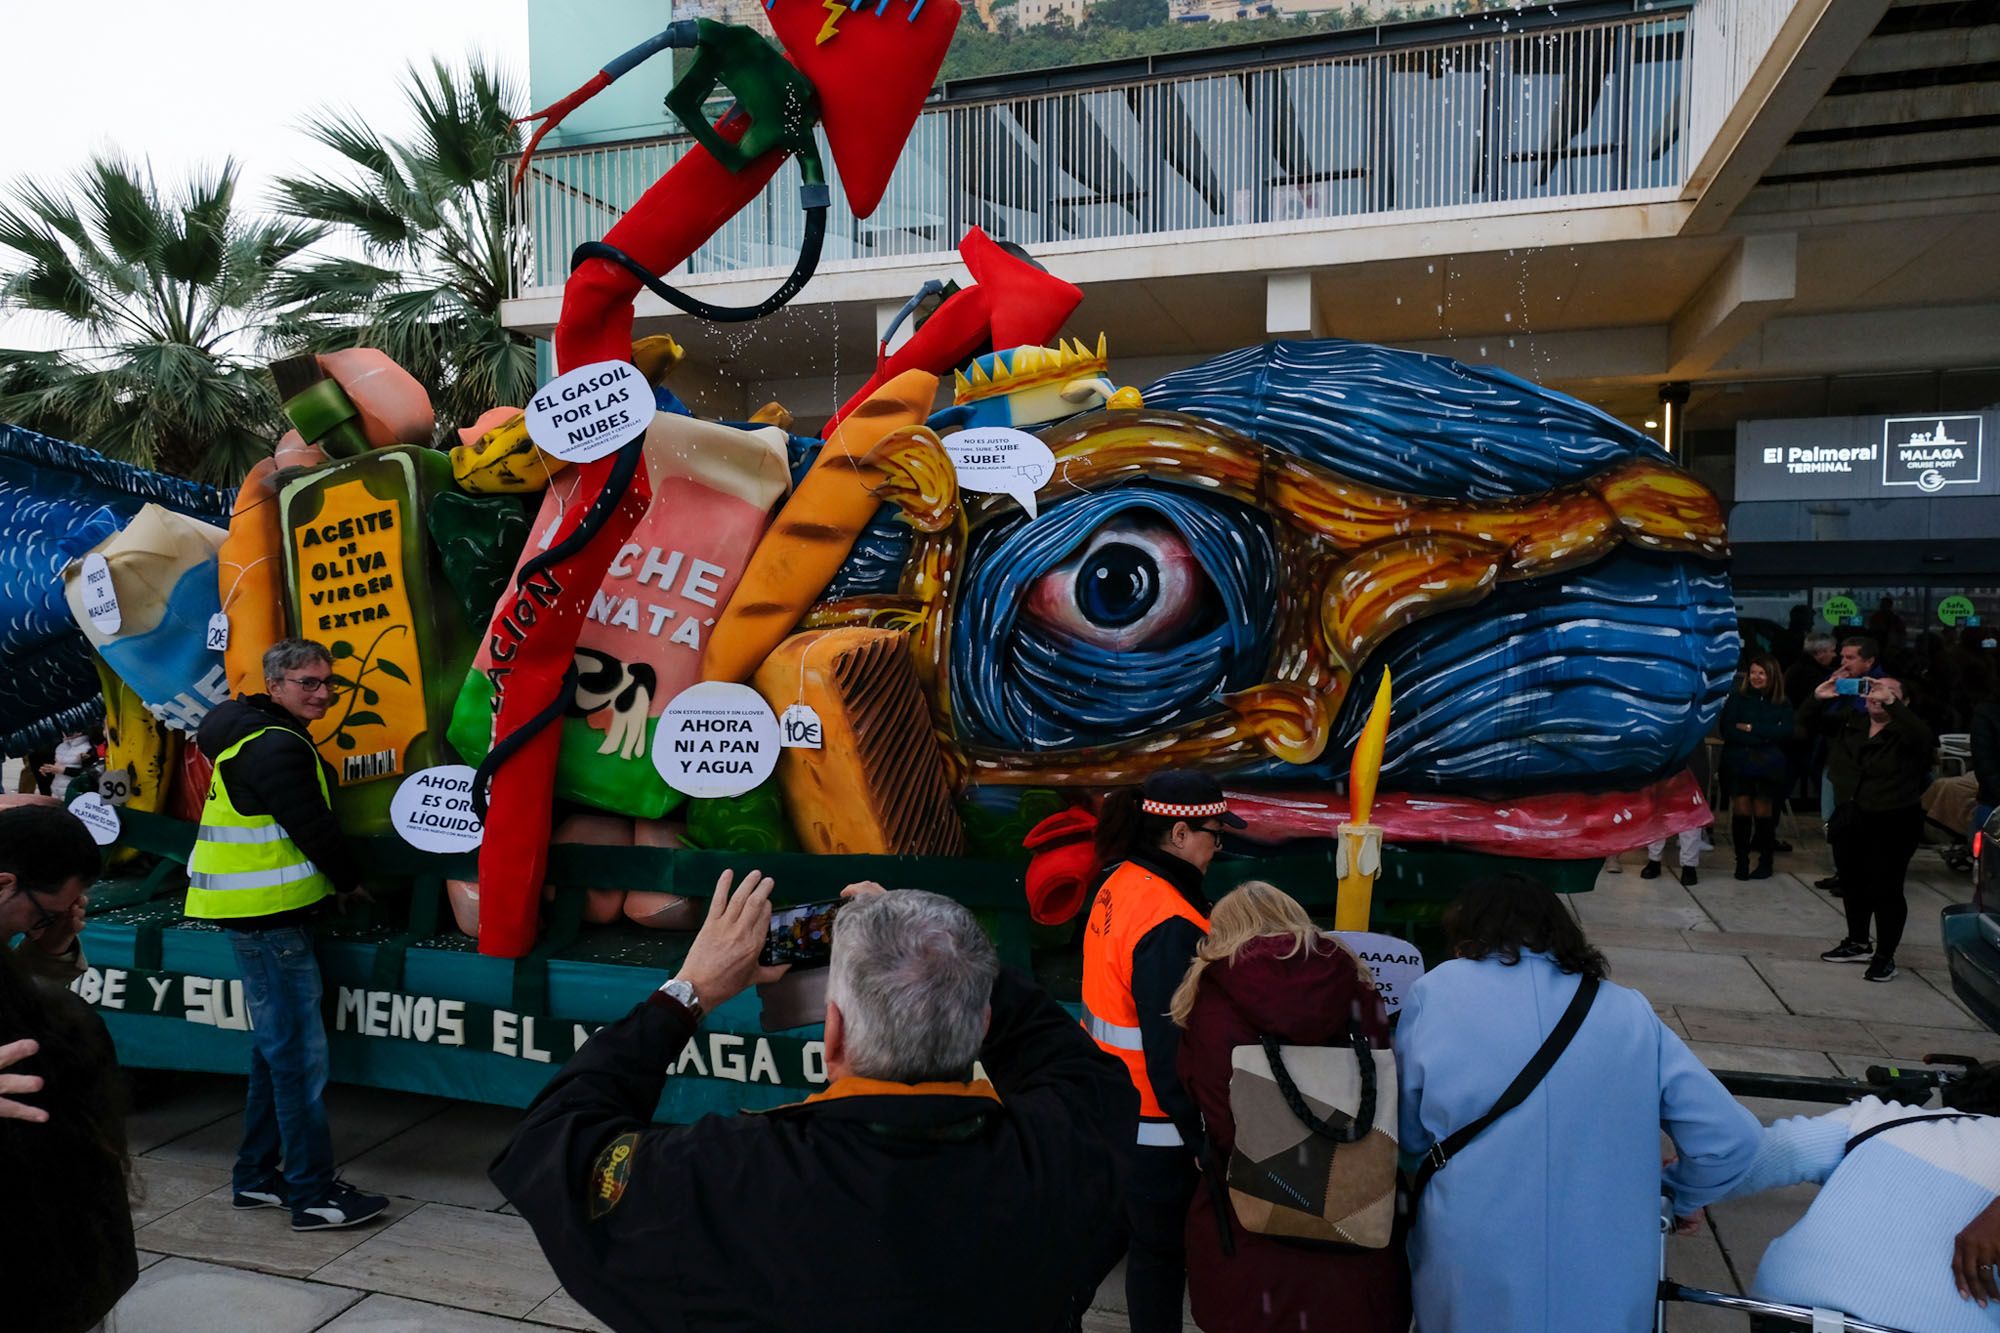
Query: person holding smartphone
x=906, y=1194
x=1878, y=760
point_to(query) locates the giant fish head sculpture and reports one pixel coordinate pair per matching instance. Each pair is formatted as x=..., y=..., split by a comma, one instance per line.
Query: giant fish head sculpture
x=1217, y=579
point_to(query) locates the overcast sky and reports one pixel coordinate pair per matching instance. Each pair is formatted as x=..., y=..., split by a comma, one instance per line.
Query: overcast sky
x=185, y=82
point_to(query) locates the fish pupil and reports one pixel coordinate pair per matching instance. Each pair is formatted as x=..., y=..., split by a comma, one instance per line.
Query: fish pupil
x=1117, y=585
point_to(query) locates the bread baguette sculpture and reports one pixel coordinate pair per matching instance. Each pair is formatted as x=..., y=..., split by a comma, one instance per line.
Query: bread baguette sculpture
x=877, y=784
x=251, y=578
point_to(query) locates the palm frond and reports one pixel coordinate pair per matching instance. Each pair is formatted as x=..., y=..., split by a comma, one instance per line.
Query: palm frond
x=126, y=212
x=354, y=208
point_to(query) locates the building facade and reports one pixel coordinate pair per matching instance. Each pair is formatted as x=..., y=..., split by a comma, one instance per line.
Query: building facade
x=1715, y=219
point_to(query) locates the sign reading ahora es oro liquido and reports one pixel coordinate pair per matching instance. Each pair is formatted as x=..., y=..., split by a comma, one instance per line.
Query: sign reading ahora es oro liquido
x=432, y=810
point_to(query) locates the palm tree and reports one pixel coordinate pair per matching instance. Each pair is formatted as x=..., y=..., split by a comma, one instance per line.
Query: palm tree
x=429, y=215
x=161, y=300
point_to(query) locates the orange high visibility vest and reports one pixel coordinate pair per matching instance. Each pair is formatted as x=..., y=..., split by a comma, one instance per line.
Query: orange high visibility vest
x=1132, y=901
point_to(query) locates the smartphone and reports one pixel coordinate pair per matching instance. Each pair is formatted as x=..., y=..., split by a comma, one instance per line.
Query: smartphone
x=801, y=935
x=1849, y=685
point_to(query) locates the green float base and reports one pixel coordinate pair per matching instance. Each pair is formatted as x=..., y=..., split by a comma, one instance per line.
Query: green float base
x=410, y=1004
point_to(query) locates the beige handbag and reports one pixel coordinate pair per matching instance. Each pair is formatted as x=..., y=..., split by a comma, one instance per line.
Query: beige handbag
x=1315, y=1155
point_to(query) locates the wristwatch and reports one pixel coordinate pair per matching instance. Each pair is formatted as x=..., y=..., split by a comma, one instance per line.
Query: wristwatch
x=682, y=993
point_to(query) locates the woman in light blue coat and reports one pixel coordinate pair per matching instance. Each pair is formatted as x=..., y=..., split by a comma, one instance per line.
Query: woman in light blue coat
x=1549, y=1221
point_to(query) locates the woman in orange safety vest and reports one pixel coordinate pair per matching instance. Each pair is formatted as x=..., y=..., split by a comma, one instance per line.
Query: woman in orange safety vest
x=1148, y=917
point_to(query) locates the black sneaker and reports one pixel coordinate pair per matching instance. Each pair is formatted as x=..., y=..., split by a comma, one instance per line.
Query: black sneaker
x=1688, y=877
x=1849, y=951
x=264, y=1196
x=1831, y=884
x=1881, y=969
x=1652, y=870
x=341, y=1206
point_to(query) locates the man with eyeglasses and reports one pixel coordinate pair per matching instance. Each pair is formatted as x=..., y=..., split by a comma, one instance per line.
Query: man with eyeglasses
x=47, y=860
x=268, y=853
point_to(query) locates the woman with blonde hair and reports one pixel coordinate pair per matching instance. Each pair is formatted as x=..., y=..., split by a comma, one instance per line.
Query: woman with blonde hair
x=1266, y=970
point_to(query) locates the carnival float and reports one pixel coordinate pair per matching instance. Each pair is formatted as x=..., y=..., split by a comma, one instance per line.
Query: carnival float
x=1419, y=616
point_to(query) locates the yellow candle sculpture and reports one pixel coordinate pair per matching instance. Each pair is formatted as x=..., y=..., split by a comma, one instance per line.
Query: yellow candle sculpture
x=1360, y=857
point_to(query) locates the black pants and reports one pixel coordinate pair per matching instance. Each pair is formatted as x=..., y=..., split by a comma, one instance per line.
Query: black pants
x=1871, y=856
x=1159, y=1185
x=1156, y=1185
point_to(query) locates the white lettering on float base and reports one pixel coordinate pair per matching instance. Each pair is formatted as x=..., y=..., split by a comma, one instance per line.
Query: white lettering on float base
x=432, y=810
x=100, y=596
x=716, y=739
x=590, y=412
x=999, y=460
x=99, y=816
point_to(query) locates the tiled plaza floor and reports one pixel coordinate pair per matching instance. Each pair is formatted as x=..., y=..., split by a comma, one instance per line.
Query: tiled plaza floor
x=1731, y=966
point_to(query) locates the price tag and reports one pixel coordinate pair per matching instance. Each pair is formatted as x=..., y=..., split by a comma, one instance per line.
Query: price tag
x=218, y=632
x=716, y=739
x=432, y=810
x=592, y=411
x=798, y=728
x=99, y=818
x=100, y=597
x=115, y=785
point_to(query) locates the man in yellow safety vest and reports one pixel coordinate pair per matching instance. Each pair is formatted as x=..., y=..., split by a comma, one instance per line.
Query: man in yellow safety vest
x=268, y=853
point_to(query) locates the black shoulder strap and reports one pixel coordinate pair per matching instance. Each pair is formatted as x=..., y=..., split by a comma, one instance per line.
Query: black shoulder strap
x=1517, y=1092
x=1873, y=1130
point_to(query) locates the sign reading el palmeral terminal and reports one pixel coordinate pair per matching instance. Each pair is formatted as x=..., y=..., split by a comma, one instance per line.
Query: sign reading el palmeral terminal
x=1940, y=454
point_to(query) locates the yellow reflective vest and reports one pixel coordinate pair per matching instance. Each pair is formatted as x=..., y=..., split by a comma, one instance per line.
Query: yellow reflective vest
x=247, y=865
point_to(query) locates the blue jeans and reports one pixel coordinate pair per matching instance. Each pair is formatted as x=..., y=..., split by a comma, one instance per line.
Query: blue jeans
x=283, y=1116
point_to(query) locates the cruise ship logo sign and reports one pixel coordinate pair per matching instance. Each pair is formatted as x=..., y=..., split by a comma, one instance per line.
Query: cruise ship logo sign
x=1931, y=453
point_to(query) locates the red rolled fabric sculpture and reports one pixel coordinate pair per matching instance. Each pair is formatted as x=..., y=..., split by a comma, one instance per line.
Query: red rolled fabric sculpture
x=1065, y=864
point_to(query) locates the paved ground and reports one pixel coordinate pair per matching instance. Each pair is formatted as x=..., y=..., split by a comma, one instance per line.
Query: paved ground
x=1732, y=967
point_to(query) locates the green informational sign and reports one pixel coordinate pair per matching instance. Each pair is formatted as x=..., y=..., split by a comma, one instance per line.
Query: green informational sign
x=1839, y=611
x=1955, y=608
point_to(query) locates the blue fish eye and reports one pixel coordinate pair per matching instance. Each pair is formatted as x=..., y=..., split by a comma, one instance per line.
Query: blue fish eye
x=1117, y=585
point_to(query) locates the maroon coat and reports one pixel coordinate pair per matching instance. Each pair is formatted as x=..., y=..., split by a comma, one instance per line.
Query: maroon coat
x=1310, y=999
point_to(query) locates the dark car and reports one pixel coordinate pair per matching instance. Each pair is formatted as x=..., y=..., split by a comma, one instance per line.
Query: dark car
x=1972, y=930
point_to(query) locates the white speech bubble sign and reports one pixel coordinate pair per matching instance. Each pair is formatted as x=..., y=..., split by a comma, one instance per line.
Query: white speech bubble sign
x=100, y=596
x=590, y=412
x=100, y=817
x=716, y=739
x=432, y=810
x=1396, y=963
x=999, y=460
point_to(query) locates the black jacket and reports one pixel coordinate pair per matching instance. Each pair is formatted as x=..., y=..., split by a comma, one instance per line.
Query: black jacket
x=866, y=1213
x=1883, y=772
x=66, y=1234
x=277, y=775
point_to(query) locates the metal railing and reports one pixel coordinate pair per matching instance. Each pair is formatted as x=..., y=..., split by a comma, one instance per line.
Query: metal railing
x=1511, y=118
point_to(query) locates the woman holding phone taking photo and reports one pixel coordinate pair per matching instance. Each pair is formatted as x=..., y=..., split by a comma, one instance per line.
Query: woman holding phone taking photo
x=1877, y=759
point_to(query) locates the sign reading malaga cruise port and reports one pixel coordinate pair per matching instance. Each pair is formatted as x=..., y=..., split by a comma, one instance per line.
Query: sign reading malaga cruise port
x=1939, y=455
